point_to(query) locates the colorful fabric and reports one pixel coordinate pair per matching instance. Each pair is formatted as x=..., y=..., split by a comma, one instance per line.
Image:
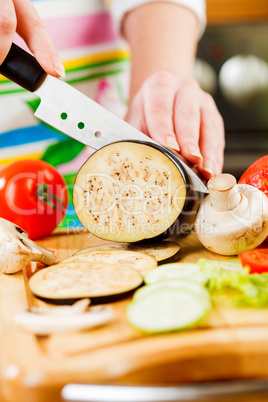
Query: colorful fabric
x=96, y=60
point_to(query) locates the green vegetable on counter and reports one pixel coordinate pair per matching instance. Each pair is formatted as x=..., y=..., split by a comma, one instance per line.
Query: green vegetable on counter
x=254, y=287
x=177, y=296
x=177, y=270
x=167, y=309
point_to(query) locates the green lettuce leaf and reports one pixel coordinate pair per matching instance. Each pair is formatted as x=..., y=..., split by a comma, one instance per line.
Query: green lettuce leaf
x=253, y=287
x=62, y=152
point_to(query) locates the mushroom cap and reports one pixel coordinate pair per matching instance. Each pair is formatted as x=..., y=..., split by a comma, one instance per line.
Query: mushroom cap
x=17, y=250
x=234, y=231
x=13, y=257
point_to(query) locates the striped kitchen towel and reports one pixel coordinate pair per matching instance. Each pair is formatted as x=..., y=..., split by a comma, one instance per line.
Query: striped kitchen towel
x=97, y=63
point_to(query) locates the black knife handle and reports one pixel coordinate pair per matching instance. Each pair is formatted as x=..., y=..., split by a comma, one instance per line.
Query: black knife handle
x=22, y=68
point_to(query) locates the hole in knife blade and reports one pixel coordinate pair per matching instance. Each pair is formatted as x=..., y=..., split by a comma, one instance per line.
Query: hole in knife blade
x=98, y=134
x=64, y=116
x=81, y=125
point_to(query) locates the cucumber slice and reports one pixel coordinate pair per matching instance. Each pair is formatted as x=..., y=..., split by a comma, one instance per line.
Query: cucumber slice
x=130, y=191
x=139, y=261
x=66, y=283
x=167, y=310
x=176, y=271
x=178, y=284
x=163, y=252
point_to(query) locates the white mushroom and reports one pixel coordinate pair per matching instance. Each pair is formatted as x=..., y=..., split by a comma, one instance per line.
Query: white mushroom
x=77, y=308
x=233, y=218
x=51, y=322
x=17, y=250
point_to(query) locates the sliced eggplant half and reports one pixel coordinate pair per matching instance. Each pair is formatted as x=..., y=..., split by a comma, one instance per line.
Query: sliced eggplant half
x=69, y=282
x=163, y=252
x=143, y=263
x=130, y=191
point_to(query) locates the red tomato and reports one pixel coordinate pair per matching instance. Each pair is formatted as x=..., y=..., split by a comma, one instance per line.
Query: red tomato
x=257, y=176
x=33, y=195
x=256, y=260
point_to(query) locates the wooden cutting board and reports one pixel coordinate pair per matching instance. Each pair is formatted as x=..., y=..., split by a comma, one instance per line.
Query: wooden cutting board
x=231, y=343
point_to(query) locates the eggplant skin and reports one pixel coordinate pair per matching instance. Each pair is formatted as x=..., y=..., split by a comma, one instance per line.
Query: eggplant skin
x=72, y=281
x=185, y=222
x=163, y=252
x=93, y=300
x=173, y=258
x=112, y=226
x=141, y=262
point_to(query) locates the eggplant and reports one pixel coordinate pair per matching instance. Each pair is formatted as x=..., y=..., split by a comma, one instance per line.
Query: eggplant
x=163, y=252
x=132, y=191
x=143, y=263
x=72, y=281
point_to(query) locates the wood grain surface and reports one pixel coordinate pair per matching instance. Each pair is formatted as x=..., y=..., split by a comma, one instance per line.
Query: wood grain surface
x=231, y=343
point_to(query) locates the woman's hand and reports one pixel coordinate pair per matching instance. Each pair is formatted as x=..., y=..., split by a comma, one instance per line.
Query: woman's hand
x=177, y=113
x=165, y=102
x=20, y=16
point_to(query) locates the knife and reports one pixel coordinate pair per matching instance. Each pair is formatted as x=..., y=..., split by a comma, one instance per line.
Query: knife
x=71, y=112
x=238, y=390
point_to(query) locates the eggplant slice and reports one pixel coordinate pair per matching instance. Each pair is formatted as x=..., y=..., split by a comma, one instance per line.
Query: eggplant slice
x=143, y=263
x=163, y=252
x=130, y=191
x=69, y=282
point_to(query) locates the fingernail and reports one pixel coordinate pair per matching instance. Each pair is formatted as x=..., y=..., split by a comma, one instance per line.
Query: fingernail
x=172, y=143
x=58, y=66
x=208, y=168
x=208, y=171
x=194, y=152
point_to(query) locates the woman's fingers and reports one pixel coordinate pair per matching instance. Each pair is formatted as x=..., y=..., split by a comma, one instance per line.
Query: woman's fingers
x=187, y=121
x=8, y=24
x=180, y=115
x=31, y=28
x=158, y=98
x=211, y=137
x=199, y=128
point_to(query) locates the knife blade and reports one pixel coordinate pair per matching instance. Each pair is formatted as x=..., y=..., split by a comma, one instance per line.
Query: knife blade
x=71, y=112
x=237, y=390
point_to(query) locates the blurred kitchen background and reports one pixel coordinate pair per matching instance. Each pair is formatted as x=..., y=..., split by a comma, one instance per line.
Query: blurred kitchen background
x=232, y=65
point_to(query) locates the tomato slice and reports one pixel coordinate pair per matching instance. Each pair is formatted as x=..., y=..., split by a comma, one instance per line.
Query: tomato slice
x=256, y=260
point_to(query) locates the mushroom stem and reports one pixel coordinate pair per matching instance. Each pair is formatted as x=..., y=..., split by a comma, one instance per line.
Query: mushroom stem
x=17, y=250
x=41, y=254
x=225, y=195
